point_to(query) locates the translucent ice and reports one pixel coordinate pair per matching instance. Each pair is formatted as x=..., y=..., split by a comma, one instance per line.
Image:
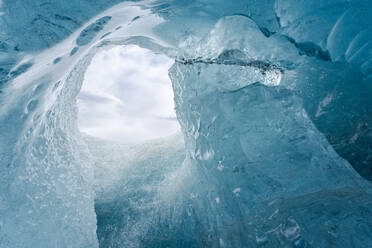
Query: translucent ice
x=127, y=180
x=274, y=102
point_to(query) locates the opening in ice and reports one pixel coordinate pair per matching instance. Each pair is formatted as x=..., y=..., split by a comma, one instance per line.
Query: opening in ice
x=126, y=112
x=127, y=96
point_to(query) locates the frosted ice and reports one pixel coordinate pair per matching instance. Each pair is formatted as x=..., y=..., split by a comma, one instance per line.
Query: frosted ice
x=273, y=98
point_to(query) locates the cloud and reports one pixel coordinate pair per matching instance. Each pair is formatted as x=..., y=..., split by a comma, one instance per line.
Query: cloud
x=127, y=96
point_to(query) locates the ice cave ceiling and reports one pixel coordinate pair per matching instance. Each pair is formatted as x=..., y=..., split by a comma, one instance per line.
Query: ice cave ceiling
x=274, y=102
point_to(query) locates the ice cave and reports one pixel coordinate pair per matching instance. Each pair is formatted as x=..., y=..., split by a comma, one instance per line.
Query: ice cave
x=273, y=99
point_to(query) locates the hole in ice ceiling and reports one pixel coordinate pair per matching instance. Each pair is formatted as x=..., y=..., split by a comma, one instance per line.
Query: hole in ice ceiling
x=127, y=96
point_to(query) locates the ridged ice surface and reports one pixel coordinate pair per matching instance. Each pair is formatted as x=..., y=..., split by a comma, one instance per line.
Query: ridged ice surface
x=273, y=98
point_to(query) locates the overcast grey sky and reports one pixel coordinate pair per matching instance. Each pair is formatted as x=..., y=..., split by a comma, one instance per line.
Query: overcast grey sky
x=127, y=96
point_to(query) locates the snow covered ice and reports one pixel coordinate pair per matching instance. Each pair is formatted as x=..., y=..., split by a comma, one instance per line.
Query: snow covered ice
x=273, y=98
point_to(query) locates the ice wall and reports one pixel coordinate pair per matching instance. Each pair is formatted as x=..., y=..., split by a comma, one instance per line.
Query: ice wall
x=46, y=196
x=251, y=143
x=272, y=97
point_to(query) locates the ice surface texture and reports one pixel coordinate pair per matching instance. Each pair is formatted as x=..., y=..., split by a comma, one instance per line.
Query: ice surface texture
x=127, y=180
x=273, y=97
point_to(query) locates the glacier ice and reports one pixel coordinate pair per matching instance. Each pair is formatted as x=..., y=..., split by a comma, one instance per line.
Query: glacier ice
x=273, y=98
x=127, y=180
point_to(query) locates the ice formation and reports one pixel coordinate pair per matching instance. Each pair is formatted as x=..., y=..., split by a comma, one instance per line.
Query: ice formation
x=273, y=98
x=127, y=180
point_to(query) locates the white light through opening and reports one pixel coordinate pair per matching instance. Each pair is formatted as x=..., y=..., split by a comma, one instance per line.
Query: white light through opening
x=127, y=96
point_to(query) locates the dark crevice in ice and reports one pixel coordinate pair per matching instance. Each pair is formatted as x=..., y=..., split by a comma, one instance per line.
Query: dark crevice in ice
x=310, y=49
x=21, y=69
x=88, y=34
